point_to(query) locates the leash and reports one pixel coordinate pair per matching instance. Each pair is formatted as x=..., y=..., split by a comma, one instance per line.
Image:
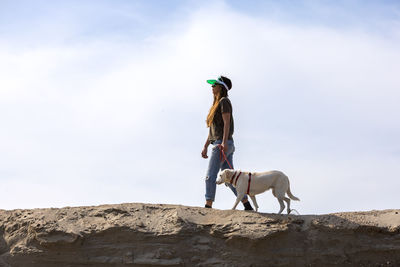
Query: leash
x=223, y=158
x=222, y=155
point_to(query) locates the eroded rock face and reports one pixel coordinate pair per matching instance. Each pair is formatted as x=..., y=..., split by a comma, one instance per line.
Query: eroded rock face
x=169, y=235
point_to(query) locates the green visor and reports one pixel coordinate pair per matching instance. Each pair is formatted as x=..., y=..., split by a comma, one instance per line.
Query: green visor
x=218, y=82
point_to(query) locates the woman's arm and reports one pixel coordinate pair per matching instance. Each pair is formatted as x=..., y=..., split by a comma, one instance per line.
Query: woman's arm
x=204, y=152
x=226, y=116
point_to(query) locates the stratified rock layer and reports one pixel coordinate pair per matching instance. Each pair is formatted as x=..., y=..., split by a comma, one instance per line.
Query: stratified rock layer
x=170, y=235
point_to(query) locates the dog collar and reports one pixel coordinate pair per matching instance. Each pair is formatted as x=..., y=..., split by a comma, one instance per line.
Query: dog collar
x=233, y=177
x=237, y=178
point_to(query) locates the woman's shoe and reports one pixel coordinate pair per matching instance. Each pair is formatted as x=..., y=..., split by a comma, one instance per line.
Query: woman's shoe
x=247, y=206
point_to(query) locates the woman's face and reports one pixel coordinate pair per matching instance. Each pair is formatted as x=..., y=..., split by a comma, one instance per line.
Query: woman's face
x=216, y=88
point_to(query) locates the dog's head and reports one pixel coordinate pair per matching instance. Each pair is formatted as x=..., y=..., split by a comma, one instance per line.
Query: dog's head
x=225, y=176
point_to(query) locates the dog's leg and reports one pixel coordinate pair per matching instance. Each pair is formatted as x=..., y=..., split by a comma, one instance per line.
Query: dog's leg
x=282, y=205
x=238, y=198
x=279, y=197
x=253, y=198
x=287, y=200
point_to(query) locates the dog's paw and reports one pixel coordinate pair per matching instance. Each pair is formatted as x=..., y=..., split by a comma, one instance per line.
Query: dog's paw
x=295, y=212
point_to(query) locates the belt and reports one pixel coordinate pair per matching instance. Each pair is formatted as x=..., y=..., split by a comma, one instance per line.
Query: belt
x=213, y=142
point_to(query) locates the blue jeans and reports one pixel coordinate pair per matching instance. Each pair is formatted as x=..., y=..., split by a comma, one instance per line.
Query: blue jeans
x=215, y=164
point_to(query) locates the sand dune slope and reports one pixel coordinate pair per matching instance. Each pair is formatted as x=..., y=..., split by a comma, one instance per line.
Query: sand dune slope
x=169, y=235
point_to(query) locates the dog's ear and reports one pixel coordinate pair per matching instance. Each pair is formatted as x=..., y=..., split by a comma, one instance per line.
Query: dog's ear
x=224, y=173
x=228, y=174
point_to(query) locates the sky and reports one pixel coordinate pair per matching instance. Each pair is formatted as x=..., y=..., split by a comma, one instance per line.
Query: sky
x=104, y=102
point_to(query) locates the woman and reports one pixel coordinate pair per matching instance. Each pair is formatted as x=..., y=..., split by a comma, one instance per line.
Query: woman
x=220, y=122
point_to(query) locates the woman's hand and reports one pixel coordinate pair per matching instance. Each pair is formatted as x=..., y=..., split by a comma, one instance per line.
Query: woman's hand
x=204, y=153
x=225, y=147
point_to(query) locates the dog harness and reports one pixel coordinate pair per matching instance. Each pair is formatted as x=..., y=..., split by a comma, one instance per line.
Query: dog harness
x=235, y=179
x=248, y=186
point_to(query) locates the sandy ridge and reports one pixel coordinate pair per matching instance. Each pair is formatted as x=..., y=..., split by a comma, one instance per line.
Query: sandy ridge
x=136, y=234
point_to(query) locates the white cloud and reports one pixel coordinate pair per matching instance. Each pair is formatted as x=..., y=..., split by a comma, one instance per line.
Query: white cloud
x=110, y=121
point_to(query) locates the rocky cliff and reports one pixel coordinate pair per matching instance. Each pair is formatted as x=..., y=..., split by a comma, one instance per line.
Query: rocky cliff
x=170, y=235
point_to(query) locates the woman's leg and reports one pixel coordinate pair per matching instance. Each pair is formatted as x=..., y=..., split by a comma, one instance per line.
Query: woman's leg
x=212, y=172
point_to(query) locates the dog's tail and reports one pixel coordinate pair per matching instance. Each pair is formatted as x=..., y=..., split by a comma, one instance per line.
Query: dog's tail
x=290, y=193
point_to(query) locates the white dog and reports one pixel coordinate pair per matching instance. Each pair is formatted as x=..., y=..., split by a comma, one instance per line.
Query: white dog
x=257, y=183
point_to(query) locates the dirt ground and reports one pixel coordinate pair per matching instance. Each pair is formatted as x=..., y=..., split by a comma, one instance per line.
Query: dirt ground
x=136, y=234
